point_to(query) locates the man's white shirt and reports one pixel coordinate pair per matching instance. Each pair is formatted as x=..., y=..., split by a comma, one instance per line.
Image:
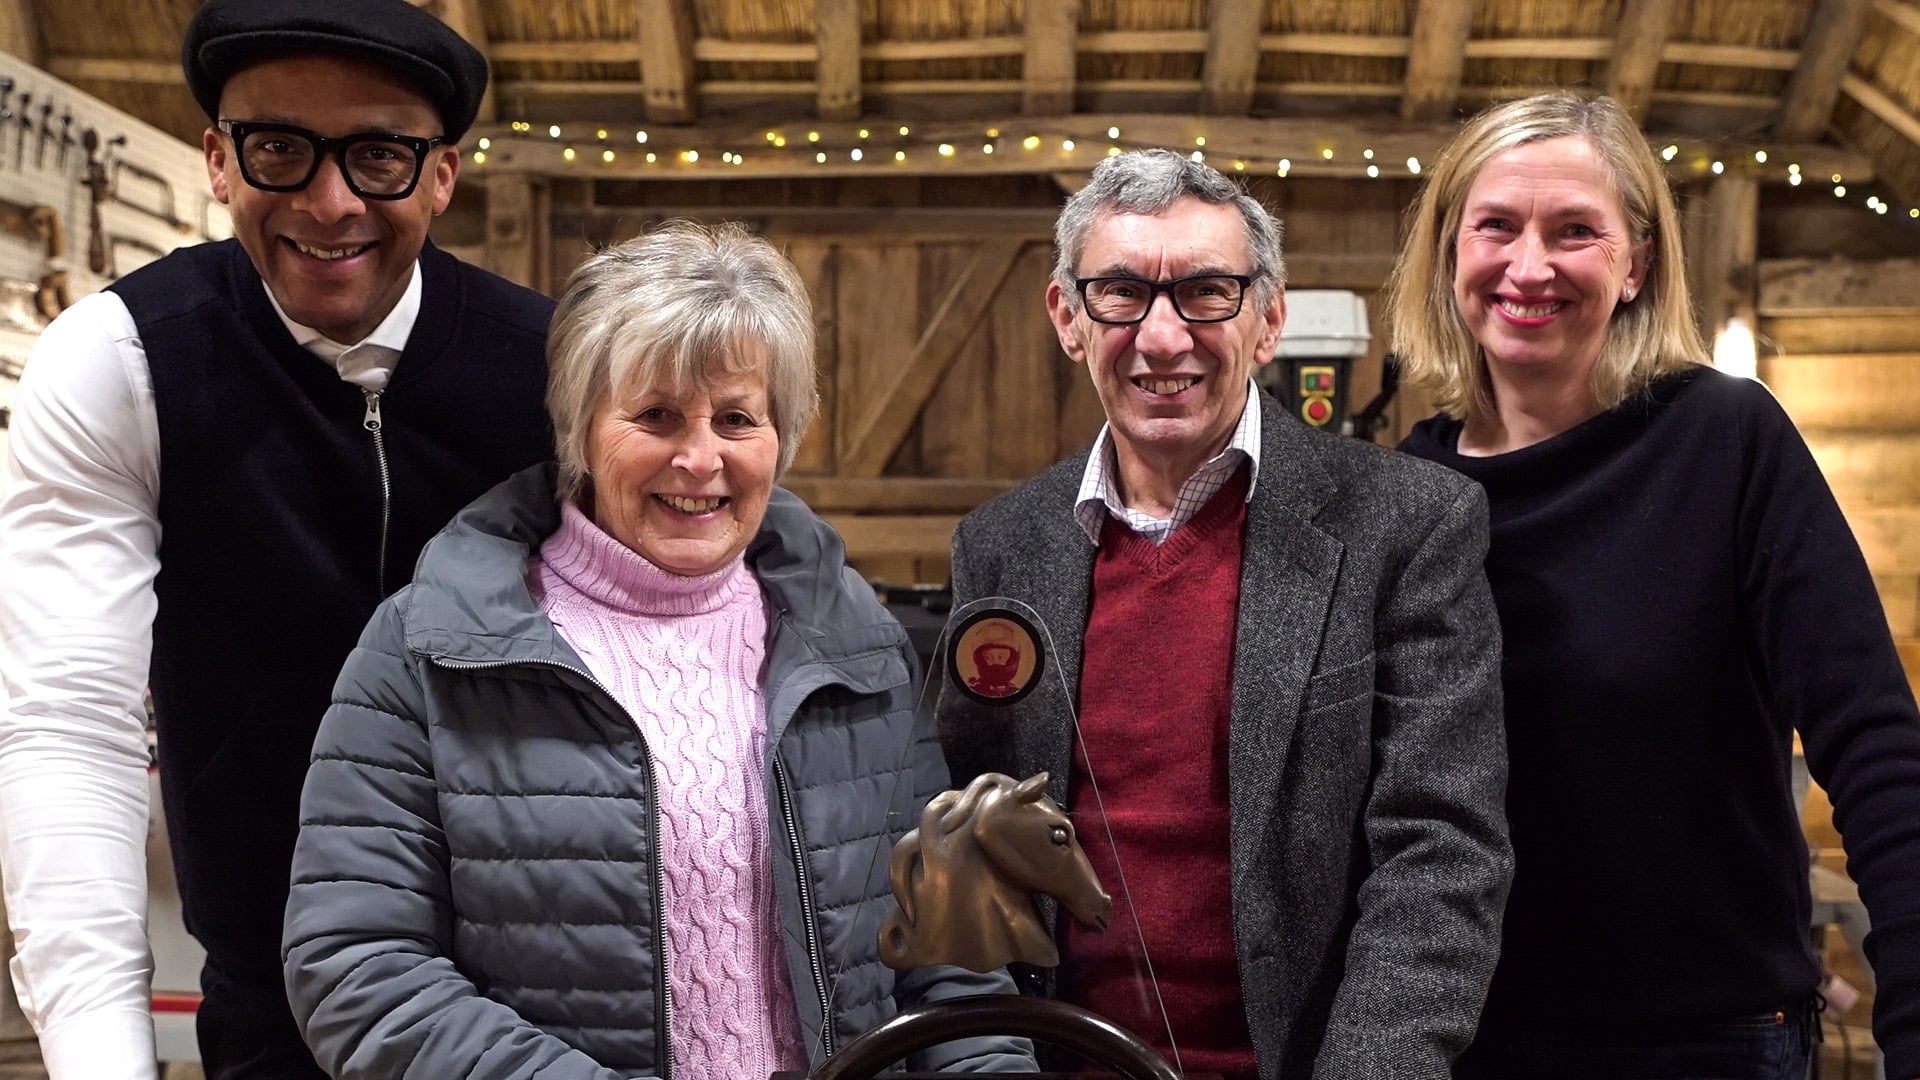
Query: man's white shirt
x=79, y=551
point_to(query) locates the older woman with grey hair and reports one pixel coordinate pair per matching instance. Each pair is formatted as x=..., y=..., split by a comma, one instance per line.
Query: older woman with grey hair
x=608, y=790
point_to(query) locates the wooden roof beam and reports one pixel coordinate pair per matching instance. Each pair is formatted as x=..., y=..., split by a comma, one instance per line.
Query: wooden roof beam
x=836, y=33
x=666, y=60
x=1435, y=60
x=463, y=17
x=1051, y=51
x=1233, y=57
x=1833, y=33
x=1636, y=53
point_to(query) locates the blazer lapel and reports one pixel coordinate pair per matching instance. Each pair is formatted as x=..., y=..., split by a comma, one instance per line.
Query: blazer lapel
x=1287, y=576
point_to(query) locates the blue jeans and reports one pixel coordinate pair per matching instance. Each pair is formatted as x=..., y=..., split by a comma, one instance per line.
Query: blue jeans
x=1776, y=1046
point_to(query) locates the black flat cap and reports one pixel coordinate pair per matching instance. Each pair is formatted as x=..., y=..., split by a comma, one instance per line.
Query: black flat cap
x=227, y=35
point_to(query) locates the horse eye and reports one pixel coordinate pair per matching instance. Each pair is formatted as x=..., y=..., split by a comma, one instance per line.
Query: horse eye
x=1060, y=835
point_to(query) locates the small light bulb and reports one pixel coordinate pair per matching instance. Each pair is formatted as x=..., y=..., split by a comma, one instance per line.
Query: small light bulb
x=946, y=149
x=1198, y=156
x=903, y=129
x=1327, y=154
x=1839, y=191
x=486, y=144
x=650, y=157
x=1719, y=167
x=567, y=153
x=1031, y=142
x=1413, y=165
x=553, y=131
x=1373, y=172
x=1760, y=156
x=899, y=155
x=813, y=136
x=479, y=157
x=1367, y=153
x=986, y=148
x=691, y=156
x=606, y=156
x=863, y=133
x=1669, y=152
x=1066, y=144
x=640, y=136
x=600, y=134
x=820, y=158
x=854, y=153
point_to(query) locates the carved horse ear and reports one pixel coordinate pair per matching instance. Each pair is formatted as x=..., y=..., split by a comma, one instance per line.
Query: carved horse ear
x=1032, y=788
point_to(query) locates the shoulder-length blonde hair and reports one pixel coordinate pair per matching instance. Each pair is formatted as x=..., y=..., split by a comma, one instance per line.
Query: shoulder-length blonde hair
x=1646, y=338
x=675, y=307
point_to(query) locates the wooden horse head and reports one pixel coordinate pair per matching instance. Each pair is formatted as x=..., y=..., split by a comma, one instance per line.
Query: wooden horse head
x=964, y=879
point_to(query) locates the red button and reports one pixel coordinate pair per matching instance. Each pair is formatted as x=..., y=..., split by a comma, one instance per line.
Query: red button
x=1317, y=411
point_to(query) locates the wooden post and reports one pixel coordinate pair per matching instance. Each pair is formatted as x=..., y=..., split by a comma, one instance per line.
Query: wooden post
x=1728, y=254
x=513, y=232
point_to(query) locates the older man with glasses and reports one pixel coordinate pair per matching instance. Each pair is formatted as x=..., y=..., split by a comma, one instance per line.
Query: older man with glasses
x=322, y=392
x=1286, y=664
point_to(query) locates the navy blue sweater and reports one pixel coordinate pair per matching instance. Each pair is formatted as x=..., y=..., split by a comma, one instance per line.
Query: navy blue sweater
x=1678, y=591
x=271, y=522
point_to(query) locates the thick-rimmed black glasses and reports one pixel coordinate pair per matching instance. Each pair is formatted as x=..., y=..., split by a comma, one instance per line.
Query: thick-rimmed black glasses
x=281, y=157
x=1203, y=298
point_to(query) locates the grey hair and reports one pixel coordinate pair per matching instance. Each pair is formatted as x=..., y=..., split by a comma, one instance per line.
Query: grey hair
x=1147, y=182
x=676, y=307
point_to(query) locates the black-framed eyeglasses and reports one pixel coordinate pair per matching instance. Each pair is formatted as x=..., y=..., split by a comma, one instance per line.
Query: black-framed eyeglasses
x=1202, y=298
x=281, y=157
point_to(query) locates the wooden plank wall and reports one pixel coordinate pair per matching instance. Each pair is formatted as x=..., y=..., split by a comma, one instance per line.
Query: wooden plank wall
x=942, y=382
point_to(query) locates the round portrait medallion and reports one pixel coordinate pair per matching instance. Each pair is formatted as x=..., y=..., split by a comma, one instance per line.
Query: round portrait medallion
x=995, y=657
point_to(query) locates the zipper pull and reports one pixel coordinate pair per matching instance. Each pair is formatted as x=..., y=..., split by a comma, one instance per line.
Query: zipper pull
x=372, y=421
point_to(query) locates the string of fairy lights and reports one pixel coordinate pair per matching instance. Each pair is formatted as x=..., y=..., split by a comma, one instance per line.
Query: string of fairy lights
x=876, y=147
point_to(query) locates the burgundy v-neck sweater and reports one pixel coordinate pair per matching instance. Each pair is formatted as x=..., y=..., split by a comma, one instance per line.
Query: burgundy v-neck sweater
x=1156, y=693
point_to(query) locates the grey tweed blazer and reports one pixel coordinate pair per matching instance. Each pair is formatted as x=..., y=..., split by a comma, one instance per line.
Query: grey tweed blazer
x=1366, y=757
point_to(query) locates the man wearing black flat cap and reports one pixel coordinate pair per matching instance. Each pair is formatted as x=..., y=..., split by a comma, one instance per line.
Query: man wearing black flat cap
x=322, y=392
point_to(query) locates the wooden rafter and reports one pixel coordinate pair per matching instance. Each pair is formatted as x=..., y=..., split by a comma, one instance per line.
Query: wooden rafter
x=890, y=416
x=666, y=60
x=1435, y=59
x=1233, y=57
x=464, y=18
x=1051, y=51
x=1637, y=47
x=1902, y=13
x=836, y=33
x=1832, y=34
x=1879, y=104
x=101, y=69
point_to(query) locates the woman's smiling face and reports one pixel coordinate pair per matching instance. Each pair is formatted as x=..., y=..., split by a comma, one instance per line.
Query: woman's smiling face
x=684, y=480
x=1543, y=255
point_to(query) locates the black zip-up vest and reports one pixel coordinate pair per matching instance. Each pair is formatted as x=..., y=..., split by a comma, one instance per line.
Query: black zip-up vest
x=272, y=514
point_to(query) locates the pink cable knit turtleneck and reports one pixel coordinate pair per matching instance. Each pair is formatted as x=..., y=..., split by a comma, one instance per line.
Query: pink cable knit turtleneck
x=685, y=656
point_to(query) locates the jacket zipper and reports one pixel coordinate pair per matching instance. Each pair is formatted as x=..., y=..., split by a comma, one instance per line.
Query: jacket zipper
x=665, y=1064
x=373, y=423
x=817, y=968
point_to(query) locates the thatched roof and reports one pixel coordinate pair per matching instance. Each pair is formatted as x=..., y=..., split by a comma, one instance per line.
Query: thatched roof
x=1804, y=75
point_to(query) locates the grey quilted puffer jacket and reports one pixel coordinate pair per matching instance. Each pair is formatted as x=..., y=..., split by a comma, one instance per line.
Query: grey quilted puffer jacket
x=475, y=889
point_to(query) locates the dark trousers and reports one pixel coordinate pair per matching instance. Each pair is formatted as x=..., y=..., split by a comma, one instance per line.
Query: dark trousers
x=1774, y=1046
x=246, y=1031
